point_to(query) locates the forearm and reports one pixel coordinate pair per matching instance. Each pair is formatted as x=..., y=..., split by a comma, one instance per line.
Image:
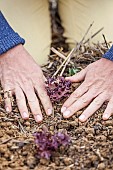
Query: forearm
x=8, y=37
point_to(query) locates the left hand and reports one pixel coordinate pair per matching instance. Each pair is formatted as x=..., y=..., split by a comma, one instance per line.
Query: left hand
x=97, y=87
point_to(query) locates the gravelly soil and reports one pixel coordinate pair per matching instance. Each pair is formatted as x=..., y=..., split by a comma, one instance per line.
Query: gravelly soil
x=91, y=144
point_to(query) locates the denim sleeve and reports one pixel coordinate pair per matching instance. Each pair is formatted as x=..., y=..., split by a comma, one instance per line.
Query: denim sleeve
x=8, y=37
x=109, y=54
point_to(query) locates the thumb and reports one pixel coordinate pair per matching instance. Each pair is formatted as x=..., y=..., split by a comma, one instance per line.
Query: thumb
x=77, y=77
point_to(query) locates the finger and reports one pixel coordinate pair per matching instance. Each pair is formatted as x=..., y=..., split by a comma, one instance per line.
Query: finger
x=109, y=110
x=93, y=107
x=42, y=93
x=33, y=102
x=21, y=102
x=75, y=96
x=77, y=77
x=79, y=104
x=8, y=92
x=7, y=99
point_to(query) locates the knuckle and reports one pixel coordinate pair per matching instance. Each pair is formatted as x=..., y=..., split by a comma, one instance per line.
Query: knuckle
x=32, y=100
x=85, y=100
x=97, y=102
x=76, y=94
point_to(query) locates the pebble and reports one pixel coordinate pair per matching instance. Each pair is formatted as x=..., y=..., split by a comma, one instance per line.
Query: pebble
x=27, y=123
x=108, y=122
x=67, y=168
x=24, y=153
x=90, y=136
x=73, y=123
x=52, y=128
x=10, y=132
x=89, y=130
x=1, y=134
x=93, y=158
x=101, y=166
x=57, y=162
x=41, y=167
x=44, y=161
x=101, y=138
x=67, y=161
x=28, y=128
x=8, y=124
x=31, y=161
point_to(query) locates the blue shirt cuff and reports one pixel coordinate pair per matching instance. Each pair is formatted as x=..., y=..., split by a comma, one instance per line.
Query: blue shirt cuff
x=8, y=37
x=109, y=54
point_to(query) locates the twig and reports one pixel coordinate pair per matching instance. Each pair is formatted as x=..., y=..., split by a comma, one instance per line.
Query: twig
x=97, y=152
x=21, y=127
x=2, y=110
x=94, y=35
x=72, y=51
x=75, y=49
x=87, y=31
x=5, y=118
x=105, y=41
x=59, y=54
x=7, y=140
x=64, y=67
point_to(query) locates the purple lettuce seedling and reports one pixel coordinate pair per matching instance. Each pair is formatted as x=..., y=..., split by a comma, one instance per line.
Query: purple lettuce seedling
x=58, y=89
x=47, y=143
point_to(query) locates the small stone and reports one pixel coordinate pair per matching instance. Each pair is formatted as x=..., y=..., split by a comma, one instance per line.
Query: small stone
x=79, y=113
x=108, y=122
x=8, y=124
x=44, y=161
x=52, y=128
x=31, y=161
x=57, y=161
x=1, y=134
x=67, y=161
x=93, y=158
x=101, y=138
x=73, y=123
x=67, y=168
x=25, y=153
x=27, y=123
x=9, y=132
x=101, y=166
x=90, y=136
x=89, y=130
x=28, y=128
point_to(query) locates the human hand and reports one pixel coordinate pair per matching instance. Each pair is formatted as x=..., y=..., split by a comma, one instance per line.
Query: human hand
x=97, y=87
x=21, y=76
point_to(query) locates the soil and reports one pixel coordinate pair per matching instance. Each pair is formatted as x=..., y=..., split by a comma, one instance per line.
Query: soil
x=91, y=144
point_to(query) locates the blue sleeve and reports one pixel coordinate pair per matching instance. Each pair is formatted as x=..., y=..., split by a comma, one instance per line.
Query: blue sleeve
x=109, y=54
x=8, y=37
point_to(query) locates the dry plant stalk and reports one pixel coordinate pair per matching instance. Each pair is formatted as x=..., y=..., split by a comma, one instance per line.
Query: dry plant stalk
x=67, y=59
x=59, y=54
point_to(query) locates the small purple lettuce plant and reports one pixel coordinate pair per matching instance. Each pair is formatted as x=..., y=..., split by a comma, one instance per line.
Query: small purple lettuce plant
x=47, y=143
x=58, y=89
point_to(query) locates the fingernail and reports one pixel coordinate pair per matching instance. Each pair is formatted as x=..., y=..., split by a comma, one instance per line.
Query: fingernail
x=7, y=109
x=38, y=118
x=49, y=111
x=66, y=113
x=105, y=116
x=25, y=115
x=82, y=117
x=63, y=109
